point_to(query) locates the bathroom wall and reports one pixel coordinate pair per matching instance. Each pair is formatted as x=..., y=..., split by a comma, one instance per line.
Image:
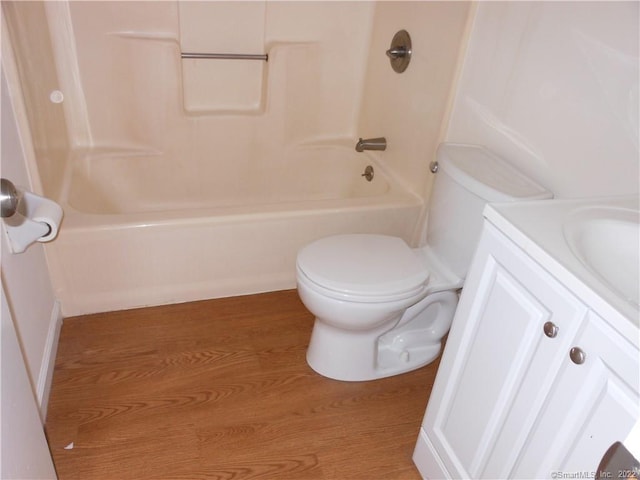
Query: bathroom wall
x=410, y=108
x=48, y=142
x=553, y=87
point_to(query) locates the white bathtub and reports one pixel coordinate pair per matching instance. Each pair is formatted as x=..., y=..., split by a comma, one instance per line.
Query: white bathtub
x=141, y=229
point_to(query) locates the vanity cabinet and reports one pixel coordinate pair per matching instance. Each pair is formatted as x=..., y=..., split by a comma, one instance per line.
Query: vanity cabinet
x=531, y=381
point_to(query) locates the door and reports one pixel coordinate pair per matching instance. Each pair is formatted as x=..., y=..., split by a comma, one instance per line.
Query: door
x=24, y=452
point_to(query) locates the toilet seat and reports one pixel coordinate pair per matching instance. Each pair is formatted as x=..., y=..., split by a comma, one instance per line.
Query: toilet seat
x=363, y=267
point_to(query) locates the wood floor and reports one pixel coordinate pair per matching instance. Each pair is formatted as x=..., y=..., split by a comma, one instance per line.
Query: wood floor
x=221, y=390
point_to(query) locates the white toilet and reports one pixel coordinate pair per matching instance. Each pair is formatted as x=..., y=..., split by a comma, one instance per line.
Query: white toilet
x=381, y=307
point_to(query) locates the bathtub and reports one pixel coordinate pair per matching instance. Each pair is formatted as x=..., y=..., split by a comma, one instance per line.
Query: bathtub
x=140, y=229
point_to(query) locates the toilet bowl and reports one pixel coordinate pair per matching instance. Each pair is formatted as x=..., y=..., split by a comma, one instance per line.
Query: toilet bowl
x=381, y=307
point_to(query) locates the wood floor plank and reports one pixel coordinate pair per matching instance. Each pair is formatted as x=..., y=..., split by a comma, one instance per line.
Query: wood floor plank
x=221, y=390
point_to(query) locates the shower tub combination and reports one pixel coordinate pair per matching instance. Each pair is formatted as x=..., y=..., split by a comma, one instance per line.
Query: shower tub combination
x=140, y=230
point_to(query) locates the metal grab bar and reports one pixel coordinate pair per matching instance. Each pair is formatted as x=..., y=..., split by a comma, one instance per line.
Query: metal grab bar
x=226, y=56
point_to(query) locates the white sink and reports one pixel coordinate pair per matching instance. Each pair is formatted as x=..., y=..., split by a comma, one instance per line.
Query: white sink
x=606, y=240
x=591, y=244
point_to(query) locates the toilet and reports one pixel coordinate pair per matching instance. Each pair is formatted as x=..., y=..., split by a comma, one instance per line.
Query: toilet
x=381, y=307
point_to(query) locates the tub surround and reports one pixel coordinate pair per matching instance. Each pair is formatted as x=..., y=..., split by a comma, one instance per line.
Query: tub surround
x=142, y=42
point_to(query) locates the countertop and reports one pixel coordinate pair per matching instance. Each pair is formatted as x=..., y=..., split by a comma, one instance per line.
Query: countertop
x=538, y=228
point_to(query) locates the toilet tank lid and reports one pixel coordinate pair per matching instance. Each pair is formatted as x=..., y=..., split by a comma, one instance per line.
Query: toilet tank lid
x=487, y=175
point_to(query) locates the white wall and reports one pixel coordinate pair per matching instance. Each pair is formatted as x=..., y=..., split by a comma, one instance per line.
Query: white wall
x=553, y=87
x=25, y=22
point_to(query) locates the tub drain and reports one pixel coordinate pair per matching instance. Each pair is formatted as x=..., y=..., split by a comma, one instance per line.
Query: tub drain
x=368, y=173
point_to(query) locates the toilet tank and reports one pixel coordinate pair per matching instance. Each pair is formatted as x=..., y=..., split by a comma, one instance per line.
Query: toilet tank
x=469, y=177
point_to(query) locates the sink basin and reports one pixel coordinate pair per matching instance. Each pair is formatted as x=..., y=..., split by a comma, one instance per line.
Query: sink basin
x=606, y=240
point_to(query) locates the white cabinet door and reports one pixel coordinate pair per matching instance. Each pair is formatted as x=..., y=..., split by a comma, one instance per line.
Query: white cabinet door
x=495, y=371
x=591, y=406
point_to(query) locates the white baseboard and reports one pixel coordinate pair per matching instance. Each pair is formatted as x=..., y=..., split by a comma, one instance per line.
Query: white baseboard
x=45, y=377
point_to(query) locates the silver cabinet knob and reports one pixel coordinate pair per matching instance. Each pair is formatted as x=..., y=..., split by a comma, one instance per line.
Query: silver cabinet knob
x=577, y=355
x=550, y=329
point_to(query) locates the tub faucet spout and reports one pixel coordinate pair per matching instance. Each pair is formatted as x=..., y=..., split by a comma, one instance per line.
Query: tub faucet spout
x=371, y=144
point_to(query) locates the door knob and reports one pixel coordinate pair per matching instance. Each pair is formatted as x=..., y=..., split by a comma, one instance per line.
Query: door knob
x=9, y=198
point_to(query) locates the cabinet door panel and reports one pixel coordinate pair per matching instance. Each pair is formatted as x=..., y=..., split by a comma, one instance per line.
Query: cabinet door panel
x=480, y=400
x=477, y=413
x=495, y=371
x=590, y=406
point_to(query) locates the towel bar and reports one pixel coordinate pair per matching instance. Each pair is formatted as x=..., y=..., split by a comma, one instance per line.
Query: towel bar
x=226, y=56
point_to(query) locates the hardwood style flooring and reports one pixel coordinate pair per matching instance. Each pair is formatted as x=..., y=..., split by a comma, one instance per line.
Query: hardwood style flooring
x=220, y=389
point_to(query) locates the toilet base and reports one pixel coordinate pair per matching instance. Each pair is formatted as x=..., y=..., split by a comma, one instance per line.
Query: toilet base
x=351, y=356
x=409, y=341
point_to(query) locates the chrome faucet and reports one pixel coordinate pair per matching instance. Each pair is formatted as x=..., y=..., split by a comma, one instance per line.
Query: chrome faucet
x=371, y=144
